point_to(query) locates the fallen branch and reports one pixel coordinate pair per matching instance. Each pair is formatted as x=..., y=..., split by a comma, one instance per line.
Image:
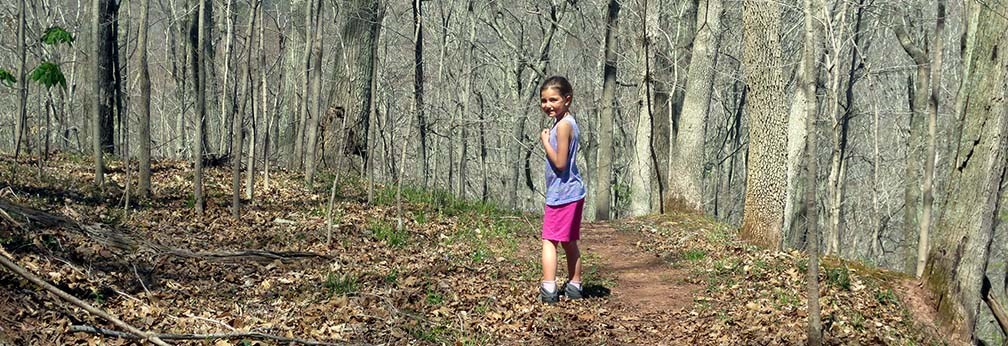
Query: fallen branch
x=134, y=332
x=239, y=335
x=998, y=310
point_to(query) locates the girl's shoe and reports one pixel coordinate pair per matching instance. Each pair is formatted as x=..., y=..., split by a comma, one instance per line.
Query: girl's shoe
x=548, y=297
x=572, y=292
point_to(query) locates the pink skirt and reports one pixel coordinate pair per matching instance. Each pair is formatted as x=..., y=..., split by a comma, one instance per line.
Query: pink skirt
x=563, y=222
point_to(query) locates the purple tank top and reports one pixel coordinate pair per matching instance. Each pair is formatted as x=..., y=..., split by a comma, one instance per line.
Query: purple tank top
x=564, y=186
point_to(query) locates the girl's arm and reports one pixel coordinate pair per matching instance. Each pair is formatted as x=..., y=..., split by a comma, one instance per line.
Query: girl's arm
x=558, y=157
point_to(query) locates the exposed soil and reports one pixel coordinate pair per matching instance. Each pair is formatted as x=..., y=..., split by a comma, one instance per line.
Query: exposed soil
x=643, y=281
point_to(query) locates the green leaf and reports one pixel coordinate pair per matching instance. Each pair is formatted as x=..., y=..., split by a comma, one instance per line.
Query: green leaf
x=49, y=74
x=56, y=35
x=7, y=78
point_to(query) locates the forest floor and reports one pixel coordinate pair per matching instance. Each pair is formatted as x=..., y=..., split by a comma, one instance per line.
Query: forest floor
x=457, y=272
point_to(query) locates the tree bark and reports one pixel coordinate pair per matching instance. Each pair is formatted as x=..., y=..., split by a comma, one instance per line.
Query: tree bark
x=603, y=176
x=103, y=86
x=963, y=233
x=237, y=139
x=200, y=49
x=687, y=162
x=311, y=147
x=929, y=160
x=807, y=77
x=352, y=75
x=22, y=117
x=915, y=146
x=299, y=133
x=145, y=114
x=766, y=175
x=835, y=40
x=227, y=97
x=641, y=165
x=418, y=87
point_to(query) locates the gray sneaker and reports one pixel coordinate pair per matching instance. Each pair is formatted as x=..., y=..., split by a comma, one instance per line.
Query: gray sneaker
x=548, y=297
x=572, y=292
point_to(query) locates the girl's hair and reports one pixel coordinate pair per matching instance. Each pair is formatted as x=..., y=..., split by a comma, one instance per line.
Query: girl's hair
x=560, y=84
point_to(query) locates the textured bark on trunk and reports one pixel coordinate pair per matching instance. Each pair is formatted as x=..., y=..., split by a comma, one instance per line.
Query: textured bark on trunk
x=199, y=51
x=315, y=114
x=641, y=165
x=766, y=175
x=963, y=233
x=22, y=89
x=929, y=159
x=686, y=164
x=915, y=147
x=603, y=175
x=352, y=75
x=145, y=114
x=807, y=79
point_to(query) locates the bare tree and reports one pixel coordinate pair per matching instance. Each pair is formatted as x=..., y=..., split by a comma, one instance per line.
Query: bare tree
x=418, y=86
x=927, y=188
x=641, y=165
x=22, y=117
x=145, y=114
x=765, y=174
x=915, y=144
x=314, y=115
x=807, y=78
x=687, y=161
x=237, y=139
x=605, y=156
x=199, y=50
x=102, y=29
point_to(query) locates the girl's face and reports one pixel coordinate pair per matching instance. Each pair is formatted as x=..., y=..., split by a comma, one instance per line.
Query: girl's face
x=552, y=103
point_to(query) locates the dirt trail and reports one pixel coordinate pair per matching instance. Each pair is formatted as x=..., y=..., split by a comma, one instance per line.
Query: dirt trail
x=644, y=281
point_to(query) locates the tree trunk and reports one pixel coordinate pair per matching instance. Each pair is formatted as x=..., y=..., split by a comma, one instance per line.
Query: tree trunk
x=103, y=86
x=687, y=162
x=373, y=105
x=312, y=128
x=22, y=117
x=835, y=40
x=929, y=160
x=258, y=112
x=418, y=86
x=200, y=49
x=145, y=115
x=807, y=78
x=352, y=75
x=766, y=175
x=641, y=168
x=121, y=115
x=915, y=147
x=963, y=233
x=299, y=133
x=227, y=98
x=237, y=123
x=603, y=175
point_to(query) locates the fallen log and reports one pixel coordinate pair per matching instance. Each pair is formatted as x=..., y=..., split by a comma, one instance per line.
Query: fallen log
x=136, y=333
x=236, y=335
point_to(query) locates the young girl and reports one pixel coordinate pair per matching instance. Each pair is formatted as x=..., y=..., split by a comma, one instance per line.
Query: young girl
x=565, y=191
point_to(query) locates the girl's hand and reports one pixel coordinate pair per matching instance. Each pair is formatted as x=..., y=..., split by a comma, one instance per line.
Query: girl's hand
x=544, y=136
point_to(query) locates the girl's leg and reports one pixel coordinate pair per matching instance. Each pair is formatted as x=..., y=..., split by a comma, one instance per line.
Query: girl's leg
x=573, y=260
x=549, y=260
